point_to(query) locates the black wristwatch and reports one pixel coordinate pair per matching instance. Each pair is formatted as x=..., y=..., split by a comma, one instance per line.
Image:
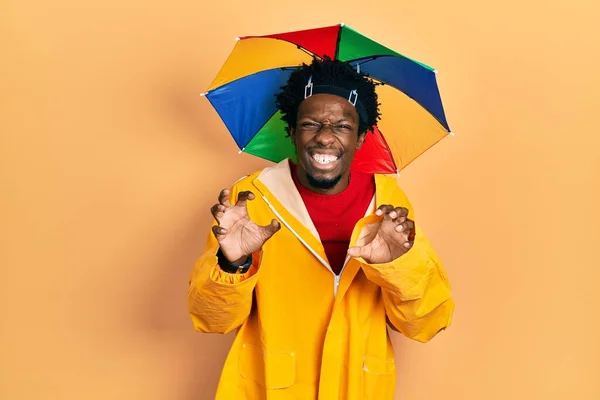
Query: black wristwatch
x=230, y=268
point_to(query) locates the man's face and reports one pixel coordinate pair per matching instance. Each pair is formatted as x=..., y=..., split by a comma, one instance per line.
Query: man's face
x=326, y=137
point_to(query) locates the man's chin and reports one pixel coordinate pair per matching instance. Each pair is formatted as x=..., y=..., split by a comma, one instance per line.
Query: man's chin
x=323, y=182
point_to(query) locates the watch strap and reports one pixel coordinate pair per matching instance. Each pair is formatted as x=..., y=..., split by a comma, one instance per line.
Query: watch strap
x=230, y=268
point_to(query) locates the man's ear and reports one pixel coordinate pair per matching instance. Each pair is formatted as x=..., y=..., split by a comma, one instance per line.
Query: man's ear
x=292, y=132
x=361, y=139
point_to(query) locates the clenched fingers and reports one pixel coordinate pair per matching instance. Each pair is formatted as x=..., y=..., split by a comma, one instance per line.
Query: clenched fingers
x=399, y=214
x=218, y=231
x=385, y=210
x=389, y=212
x=271, y=229
x=217, y=211
x=407, y=226
x=224, y=197
x=243, y=197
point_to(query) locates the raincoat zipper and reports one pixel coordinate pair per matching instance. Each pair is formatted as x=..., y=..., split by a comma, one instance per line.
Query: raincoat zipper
x=336, y=283
x=336, y=278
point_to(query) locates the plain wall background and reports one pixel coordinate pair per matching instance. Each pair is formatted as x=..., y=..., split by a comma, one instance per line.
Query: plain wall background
x=110, y=160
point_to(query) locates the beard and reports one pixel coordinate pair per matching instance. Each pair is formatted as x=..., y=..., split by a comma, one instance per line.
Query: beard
x=323, y=183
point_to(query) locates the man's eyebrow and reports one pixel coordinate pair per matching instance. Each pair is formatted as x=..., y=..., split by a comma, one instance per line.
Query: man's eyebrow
x=348, y=116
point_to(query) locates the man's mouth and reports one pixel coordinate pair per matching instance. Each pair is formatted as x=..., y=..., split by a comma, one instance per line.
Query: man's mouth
x=324, y=159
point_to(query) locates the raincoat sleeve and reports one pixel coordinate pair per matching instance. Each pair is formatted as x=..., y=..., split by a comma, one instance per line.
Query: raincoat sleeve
x=220, y=302
x=415, y=289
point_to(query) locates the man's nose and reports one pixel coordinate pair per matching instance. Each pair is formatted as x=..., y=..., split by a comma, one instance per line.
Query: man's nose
x=325, y=135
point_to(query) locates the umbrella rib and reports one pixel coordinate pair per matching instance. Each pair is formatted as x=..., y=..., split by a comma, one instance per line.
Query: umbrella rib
x=376, y=56
x=310, y=53
x=304, y=49
x=418, y=155
x=382, y=83
x=289, y=41
x=424, y=150
x=387, y=148
x=258, y=130
x=204, y=94
x=337, y=44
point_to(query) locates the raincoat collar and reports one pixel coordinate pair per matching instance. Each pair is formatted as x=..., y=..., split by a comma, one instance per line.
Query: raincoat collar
x=278, y=190
x=275, y=182
x=280, y=185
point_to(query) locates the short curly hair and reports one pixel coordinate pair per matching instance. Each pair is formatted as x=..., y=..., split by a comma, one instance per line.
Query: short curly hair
x=328, y=72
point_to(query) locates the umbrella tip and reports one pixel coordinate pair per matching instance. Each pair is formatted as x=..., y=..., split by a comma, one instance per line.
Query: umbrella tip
x=237, y=38
x=342, y=24
x=203, y=94
x=451, y=133
x=435, y=71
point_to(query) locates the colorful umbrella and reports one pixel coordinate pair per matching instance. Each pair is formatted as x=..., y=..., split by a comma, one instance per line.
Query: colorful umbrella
x=243, y=94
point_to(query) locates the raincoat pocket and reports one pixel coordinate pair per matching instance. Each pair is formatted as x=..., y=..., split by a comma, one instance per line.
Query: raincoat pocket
x=378, y=378
x=272, y=370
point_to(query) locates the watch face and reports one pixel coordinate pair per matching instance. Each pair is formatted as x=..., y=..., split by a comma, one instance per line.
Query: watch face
x=244, y=268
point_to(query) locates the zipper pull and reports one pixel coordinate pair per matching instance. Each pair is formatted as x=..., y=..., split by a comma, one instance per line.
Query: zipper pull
x=336, y=283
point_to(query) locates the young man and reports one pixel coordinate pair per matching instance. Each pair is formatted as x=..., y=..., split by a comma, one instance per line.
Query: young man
x=311, y=262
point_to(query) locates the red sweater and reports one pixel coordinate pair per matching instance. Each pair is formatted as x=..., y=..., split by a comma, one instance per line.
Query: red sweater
x=335, y=215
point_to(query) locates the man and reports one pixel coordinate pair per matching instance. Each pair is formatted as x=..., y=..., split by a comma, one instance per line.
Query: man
x=311, y=261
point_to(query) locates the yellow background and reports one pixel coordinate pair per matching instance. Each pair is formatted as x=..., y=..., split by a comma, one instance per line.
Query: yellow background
x=110, y=161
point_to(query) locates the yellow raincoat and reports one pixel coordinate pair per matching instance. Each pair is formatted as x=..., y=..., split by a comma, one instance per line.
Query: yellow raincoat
x=302, y=332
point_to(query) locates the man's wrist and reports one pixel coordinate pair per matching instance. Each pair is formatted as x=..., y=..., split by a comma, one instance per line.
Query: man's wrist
x=239, y=266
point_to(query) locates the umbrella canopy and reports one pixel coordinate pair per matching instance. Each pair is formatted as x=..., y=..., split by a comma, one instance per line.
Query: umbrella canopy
x=243, y=94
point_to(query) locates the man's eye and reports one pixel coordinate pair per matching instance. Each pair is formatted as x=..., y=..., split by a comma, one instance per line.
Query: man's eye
x=309, y=124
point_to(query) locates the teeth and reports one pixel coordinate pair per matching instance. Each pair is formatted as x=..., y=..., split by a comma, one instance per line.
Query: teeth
x=324, y=159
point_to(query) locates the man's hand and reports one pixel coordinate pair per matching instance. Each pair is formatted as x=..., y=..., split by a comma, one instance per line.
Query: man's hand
x=388, y=240
x=237, y=235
